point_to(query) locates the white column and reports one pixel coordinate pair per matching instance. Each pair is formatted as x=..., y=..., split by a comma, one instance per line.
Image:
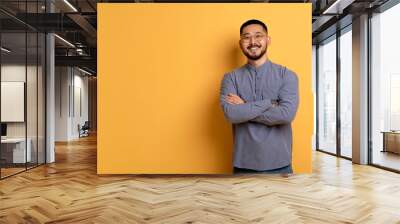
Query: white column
x=50, y=93
x=50, y=110
x=360, y=90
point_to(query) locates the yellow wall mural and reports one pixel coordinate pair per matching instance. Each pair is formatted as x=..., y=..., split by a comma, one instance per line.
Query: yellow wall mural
x=160, y=68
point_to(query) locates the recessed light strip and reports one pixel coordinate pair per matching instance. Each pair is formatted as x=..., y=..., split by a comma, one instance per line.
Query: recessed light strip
x=5, y=49
x=84, y=71
x=70, y=5
x=64, y=40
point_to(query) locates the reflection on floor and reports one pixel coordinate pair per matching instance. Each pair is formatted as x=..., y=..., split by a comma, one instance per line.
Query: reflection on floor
x=387, y=159
x=10, y=169
x=346, y=152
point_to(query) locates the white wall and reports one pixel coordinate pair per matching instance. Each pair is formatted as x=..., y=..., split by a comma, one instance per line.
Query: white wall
x=12, y=73
x=62, y=78
x=79, y=117
x=71, y=94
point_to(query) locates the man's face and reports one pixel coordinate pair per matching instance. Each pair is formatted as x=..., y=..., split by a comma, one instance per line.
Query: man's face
x=254, y=41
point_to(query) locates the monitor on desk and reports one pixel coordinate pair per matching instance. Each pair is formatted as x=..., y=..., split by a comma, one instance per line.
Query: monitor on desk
x=3, y=130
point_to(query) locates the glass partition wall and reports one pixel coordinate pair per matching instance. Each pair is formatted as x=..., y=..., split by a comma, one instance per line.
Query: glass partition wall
x=334, y=90
x=385, y=89
x=22, y=88
x=327, y=95
x=346, y=75
x=334, y=94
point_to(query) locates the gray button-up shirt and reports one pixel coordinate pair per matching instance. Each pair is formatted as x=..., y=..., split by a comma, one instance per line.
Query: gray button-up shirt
x=262, y=131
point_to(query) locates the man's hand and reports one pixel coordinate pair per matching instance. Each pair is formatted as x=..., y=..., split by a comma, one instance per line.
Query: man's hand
x=233, y=99
x=275, y=103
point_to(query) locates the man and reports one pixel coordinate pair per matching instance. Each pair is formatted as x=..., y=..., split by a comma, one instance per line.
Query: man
x=260, y=99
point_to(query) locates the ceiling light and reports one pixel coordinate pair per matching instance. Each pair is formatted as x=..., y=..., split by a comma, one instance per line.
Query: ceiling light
x=64, y=40
x=79, y=51
x=70, y=5
x=337, y=7
x=5, y=50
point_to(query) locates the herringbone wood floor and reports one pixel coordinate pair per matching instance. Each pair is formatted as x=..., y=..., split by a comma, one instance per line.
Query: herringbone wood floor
x=69, y=191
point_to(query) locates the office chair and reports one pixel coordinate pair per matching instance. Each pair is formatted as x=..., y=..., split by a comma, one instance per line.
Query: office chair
x=84, y=130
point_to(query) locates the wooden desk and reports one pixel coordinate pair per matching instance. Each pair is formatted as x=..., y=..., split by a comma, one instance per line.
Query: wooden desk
x=13, y=150
x=391, y=141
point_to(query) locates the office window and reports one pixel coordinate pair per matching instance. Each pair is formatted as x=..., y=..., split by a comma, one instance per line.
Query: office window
x=385, y=88
x=314, y=88
x=327, y=95
x=32, y=90
x=13, y=88
x=22, y=92
x=346, y=93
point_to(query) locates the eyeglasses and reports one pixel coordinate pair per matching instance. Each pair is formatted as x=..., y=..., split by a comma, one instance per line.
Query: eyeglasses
x=257, y=37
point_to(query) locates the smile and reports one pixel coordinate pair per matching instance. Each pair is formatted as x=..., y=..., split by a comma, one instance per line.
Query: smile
x=253, y=48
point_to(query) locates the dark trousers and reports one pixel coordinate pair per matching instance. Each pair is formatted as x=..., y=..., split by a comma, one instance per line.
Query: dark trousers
x=285, y=169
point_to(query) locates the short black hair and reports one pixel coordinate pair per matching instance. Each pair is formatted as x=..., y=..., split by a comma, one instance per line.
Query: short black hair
x=251, y=22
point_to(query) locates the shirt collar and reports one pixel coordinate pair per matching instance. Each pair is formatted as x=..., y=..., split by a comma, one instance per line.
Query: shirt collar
x=261, y=69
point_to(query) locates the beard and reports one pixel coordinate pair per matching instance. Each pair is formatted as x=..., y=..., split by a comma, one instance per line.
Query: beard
x=257, y=56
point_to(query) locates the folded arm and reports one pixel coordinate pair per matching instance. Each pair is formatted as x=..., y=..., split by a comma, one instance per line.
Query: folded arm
x=285, y=111
x=239, y=113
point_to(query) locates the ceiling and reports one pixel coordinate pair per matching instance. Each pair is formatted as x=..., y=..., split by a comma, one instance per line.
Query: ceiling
x=76, y=22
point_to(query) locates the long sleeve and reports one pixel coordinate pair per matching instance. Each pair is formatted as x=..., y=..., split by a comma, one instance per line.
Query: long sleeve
x=285, y=111
x=241, y=112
